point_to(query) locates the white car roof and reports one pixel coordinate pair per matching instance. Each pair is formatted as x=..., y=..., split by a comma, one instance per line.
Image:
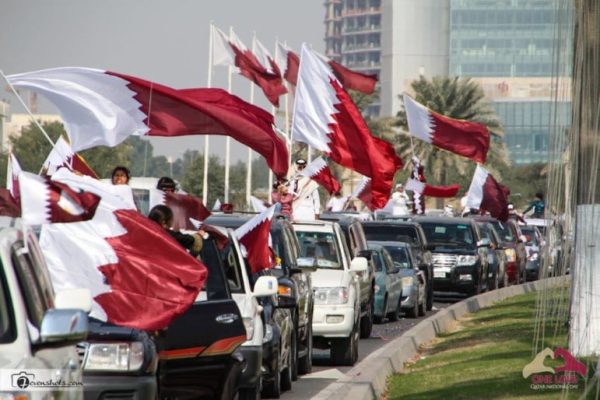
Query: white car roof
x=314, y=226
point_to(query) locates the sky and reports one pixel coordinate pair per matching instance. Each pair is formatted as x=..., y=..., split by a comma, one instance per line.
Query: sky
x=165, y=41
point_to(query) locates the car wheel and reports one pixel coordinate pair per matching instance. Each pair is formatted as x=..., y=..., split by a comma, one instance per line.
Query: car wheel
x=305, y=363
x=366, y=322
x=395, y=316
x=429, y=294
x=249, y=393
x=286, y=374
x=344, y=351
x=413, y=312
x=273, y=389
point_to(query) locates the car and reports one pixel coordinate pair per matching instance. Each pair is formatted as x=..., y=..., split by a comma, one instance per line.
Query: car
x=513, y=242
x=39, y=329
x=388, y=285
x=459, y=254
x=552, y=233
x=413, y=299
x=497, y=274
x=286, y=249
x=199, y=354
x=535, y=248
x=336, y=315
x=358, y=246
x=411, y=232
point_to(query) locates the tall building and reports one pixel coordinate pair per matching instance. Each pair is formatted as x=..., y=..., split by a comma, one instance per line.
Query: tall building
x=509, y=47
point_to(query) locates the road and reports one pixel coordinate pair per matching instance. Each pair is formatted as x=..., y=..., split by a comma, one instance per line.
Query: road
x=323, y=373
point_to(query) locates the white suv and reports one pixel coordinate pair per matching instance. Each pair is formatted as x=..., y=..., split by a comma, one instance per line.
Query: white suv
x=38, y=331
x=336, y=287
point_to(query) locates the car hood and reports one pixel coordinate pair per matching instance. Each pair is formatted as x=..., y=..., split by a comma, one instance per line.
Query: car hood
x=330, y=278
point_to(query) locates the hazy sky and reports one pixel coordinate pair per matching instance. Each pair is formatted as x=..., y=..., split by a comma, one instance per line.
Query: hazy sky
x=161, y=40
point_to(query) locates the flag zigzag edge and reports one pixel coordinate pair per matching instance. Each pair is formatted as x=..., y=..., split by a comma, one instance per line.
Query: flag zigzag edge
x=254, y=222
x=313, y=169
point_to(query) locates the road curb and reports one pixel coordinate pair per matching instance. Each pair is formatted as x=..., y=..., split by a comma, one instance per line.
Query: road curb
x=368, y=379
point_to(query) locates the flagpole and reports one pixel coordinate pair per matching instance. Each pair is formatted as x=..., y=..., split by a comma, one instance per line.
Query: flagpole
x=249, y=168
x=287, y=119
x=228, y=138
x=206, y=147
x=274, y=112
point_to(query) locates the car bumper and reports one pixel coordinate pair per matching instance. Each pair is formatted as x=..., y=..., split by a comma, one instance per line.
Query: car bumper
x=252, y=369
x=100, y=387
x=459, y=279
x=333, y=321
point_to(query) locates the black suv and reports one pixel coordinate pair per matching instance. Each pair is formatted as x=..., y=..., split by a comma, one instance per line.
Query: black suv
x=459, y=254
x=407, y=232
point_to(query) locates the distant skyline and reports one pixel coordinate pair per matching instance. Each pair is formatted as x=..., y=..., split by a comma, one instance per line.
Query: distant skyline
x=159, y=40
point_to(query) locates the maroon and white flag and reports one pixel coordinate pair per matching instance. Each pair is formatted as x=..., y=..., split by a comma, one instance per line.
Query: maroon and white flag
x=363, y=193
x=349, y=79
x=13, y=169
x=485, y=193
x=466, y=138
x=326, y=118
x=426, y=189
x=139, y=276
x=62, y=155
x=259, y=67
x=103, y=108
x=255, y=241
x=185, y=207
x=44, y=201
x=319, y=172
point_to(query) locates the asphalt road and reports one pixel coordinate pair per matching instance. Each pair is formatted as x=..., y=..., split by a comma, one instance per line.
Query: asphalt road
x=323, y=373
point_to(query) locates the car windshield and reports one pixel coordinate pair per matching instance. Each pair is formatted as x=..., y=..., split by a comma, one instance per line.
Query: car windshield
x=505, y=231
x=448, y=233
x=399, y=256
x=392, y=233
x=320, y=248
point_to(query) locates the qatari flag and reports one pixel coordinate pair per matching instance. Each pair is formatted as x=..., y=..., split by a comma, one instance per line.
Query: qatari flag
x=102, y=108
x=255, y=241
x=44, y=201
x=485, y=193
x=326, y=118
x=184, y=206
x=62, y=155
x=319, y=172
x=465, y=138
x=363, y=193
x=290, y=64
x=426, y=189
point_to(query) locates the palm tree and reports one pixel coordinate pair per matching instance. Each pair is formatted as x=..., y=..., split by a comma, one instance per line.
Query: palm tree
x=459, y=98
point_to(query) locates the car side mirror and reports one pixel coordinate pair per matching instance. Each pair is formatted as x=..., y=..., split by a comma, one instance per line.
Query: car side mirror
x=483, y=243
x=265, y=286
x=63, y=327
x=359, y=265
x=74, y=299
x=286, y=297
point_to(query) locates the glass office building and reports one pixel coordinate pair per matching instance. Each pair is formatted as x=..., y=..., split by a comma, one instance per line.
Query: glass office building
x=512, y=40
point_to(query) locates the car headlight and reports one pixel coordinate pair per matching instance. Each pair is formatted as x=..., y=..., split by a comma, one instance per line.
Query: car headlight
x=466, y=260
x=533, y=257
x=268, y=333
x=335, y=295
x=407, y=281
x=114, y=356
x=511, y=255
x=249, y=325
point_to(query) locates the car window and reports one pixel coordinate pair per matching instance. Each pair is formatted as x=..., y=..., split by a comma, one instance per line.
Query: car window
x=232, y=267
x=448, y=233
x=216, y=288
x=141, y=197
x=399, y=256
x=505, y=231
x=322, y=247
x=389, y=263
x=377, y=261
x=8, y=332
x=391, y=233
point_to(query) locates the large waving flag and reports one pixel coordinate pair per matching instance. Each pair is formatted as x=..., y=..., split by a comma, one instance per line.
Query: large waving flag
x=426, y=189
x=13, y=169
x=139, y=276
x=487, y=194
x=326, y=118
x=319, y=172
x=289, y=63
x=255, y=240
x=465, y=138
x=184, y=206
x=104, y=108
x=260, y=68
x=364, y=194
x=62, y=155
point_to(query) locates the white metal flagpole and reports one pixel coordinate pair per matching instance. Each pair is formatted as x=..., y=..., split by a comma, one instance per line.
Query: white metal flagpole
x=249, y=168
x=227, y=138
x=206, y=146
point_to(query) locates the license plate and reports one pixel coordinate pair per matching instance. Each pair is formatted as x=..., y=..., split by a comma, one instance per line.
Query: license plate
x=440, y=272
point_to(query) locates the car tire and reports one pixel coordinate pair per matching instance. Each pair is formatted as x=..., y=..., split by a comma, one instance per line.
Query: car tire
x=366, y=322
x=395, y=316
x=273, y=389
x=249, y=393
x=286, y=374
x=305, y=363
x=413, y=312
x=429, y=296
x=344, y=351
